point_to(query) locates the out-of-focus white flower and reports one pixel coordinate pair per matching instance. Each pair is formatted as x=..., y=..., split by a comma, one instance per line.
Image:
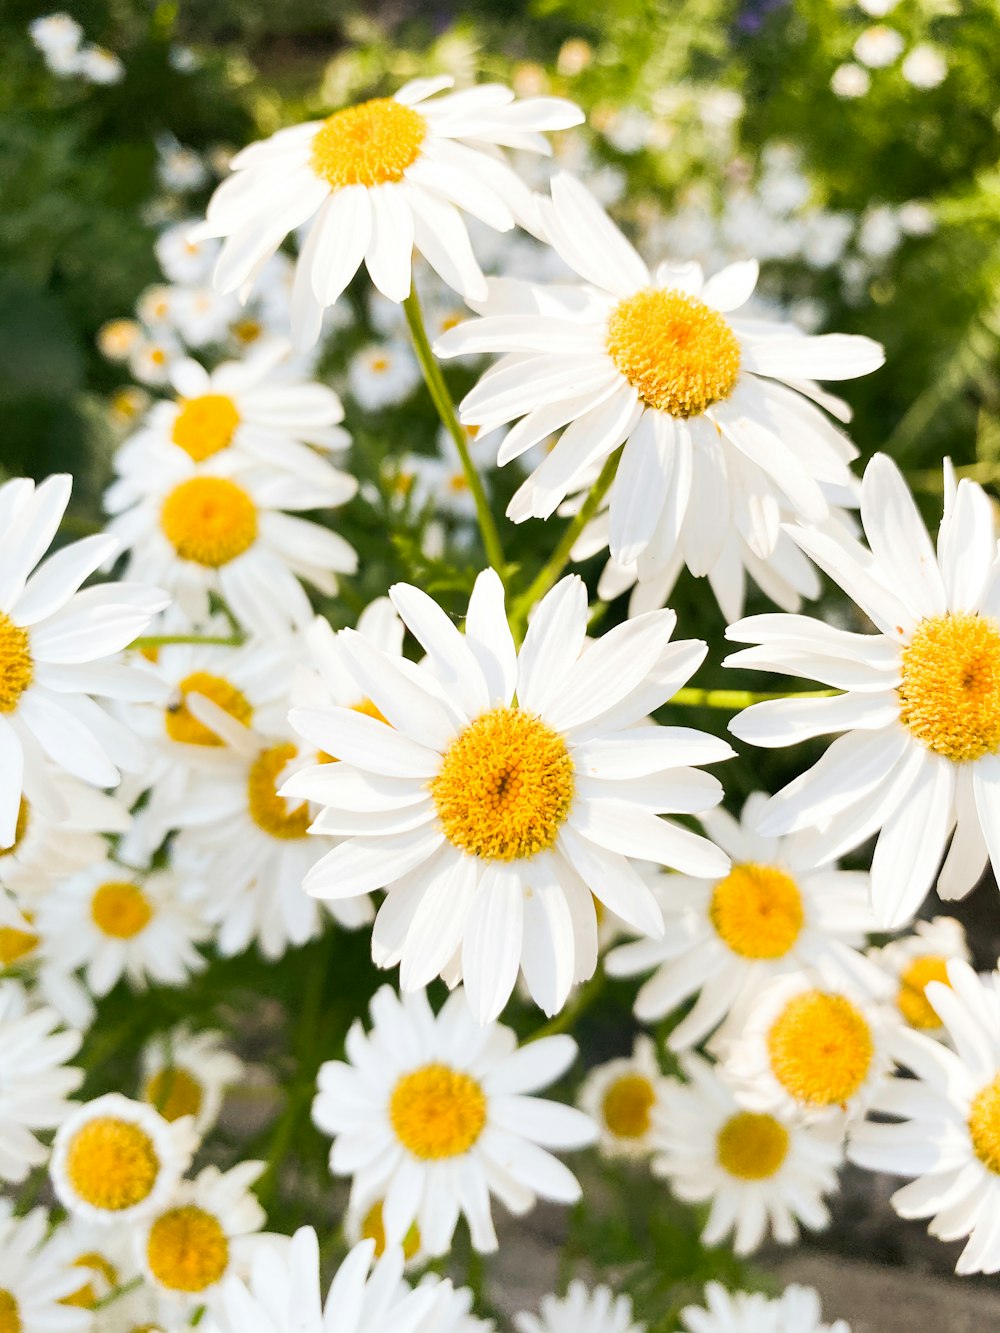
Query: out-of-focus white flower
x=383, y=374
x=916, y=218
x=101, y=66
x=925, y=66
x=918, y=959
x=183, y=260
x=118, y=338
x=877, y=9
x=880, y=232
x=185, y=1073
x=621, y=1096
x=581, y=1310
x=35, y=1277
x=879, y=46
x=55, y=33
x=850, y=80
x=178, y=168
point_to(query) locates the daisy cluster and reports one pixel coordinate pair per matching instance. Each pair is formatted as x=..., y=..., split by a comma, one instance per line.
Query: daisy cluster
x=196, y=767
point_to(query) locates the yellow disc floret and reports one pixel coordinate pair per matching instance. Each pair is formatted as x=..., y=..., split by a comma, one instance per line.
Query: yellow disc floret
x=10, y=1315
x=751, y=1146
x=17, y=669
x=949, y=692
x=373, y=1228
x=16, y=945
x=268, y=810
x=437, y=1112
x=120, y=909
x=174, y=1092
x=112, y=1164
x=984, y=1125
x=505, y=786
x=20, y=828
x=678, y=353
x=187, y=1249
x=626, y=1106
x=209, y=520
x=104, y=1278
x=368, y=144
x=182, y=725
x=821, y=1048
x=912, y=1000
x=205, y=425
x=757, y=911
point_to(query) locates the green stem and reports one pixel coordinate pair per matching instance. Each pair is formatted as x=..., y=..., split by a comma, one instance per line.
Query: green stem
x=164, y=640
x=737, y=699
x=438, y=390
x=932, y=480
x=118, y=1292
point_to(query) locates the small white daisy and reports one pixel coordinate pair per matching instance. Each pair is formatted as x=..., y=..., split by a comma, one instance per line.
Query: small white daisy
x=581, y=1310
x=383, y=374
x=797, y=1310
x=925, y=66
x=363, y=1220
x=100, y=66
x=118, y=339
x=879, y=46
x=917, y=959
x=621, y=1096
x=438, y=1113
x=454, y=1312
x=183, y=260
x=55, y=32
x=103, y=1260
x=188, y=1073
x=35, y=1279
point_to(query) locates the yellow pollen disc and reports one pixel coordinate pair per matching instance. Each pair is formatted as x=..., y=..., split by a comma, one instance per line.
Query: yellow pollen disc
x=91, y=1292
x=187, y=1249
x=10, y=1316
x=757, y=911
x=678, y=353
x=373, y=1228
x=205, y=425
x=437, y=1112
x=121, y=909
x=182, y=725
x=174, y=1092
x=949, y=694
x=911, y=1000
x=209, y=520
x=504, y=787
x=112, y=1163
x=820, y=1048
x=247, y=330
x=750, y=1146
x=268, y=810
x=627, y=1105
x=984, y=1125
x=16, y=945
x=368, y=144
x=17, y=670
x=20, y=828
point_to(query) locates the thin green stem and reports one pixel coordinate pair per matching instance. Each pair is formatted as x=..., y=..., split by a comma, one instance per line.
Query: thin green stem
x=164, y=640
x=438, y=390
x=932, y=480
x=732, y=700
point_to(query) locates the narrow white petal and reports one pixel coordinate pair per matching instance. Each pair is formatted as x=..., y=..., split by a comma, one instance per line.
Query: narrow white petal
x=491, y=949
x=899, y=540
x=833, y=356
x=909, y=848
x=641, y=486
x=390, y=247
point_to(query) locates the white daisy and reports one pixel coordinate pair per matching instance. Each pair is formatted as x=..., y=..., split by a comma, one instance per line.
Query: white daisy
x=762, y=1173
x=34, y=1080
x=437, y=1114
x=949, y=1138
x=714, y=411
x=621, y=1096
x=103, y=1260
x=34, y=1279
x=454, y=1312
x=188, y=1073
x=917, y=959
x=491, y=822
x=55, y=643
x=116, y=1160
x=183, y=260
x=118, y=339
x=581, y=1310
x=376, y=180
x=363, y=1220
x=776, y=911
x=797, y=1310
x=382, y=374
x=921, y=703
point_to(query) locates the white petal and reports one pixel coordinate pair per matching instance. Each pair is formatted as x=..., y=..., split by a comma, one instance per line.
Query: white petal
x=898, y=538
x=909, y=848
x=488, y=635
x=552, y=644
x=451, y=658
x=732, y=286
x=833, y=356
x=779, y=722
x=641, y=485
x=360, y=865
x=491, y=949
x=390, y=248
x=586, y=238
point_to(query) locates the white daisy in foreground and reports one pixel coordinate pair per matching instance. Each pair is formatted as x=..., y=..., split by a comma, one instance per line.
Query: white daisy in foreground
x=797, y=1310
x=438, y=1114
x=187, y=1073
x=776, y=911
x=115, y=1160
x=920, y=759
x=918, y=959
x=493, y=823
x=762, y=1173
x=949, y=1138
x=376, y=180
x=55, y=643
x=622, y=1096
x=581, y=1310
x=34, y=1080
x=35, y=1281
x=714, y=411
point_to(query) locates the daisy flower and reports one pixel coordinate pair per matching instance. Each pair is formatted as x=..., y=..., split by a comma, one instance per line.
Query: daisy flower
x=55, y=643
x=494, y=824
x=188, y=1073
x=183, y=260
x=34, y=1080
x=797, y=1310
x=776, y=911
x=920, y=708
x=102, y=1260
x=949, y=1136
x=117, y=922
x=116, y=1160
x=376, y=180
x=581, y=1310
x=438, y=1113
x=714, y=410
x=382, y=374
x=34, y=1281
x=364, y=1220
x=762, y=1173
x=621, y=1096
x=917, y=959
x=454, y=1314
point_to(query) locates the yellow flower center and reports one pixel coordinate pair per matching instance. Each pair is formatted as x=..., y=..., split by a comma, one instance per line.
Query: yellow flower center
x=187, y=1249
x=627, y=1105
x=16, y=944
x=205, y=425
x=247, y=331
x=112, y=1163
x=949, y=695
x=437, y=1112
x=20, y=828
x=911, y=1000
x=757, y=911
x=182, y=725
x=209, y=520
x=821, y=1048
x=121, y=909
x=17, y=670
x=504, y=787
x=104, y=1279
x=10, y=1317
x=368, y=144
x=984, y=1125
x=268, y=810
x=751, y=1146
x=678, y=353
x=174, y=1092
x=373, y=1228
